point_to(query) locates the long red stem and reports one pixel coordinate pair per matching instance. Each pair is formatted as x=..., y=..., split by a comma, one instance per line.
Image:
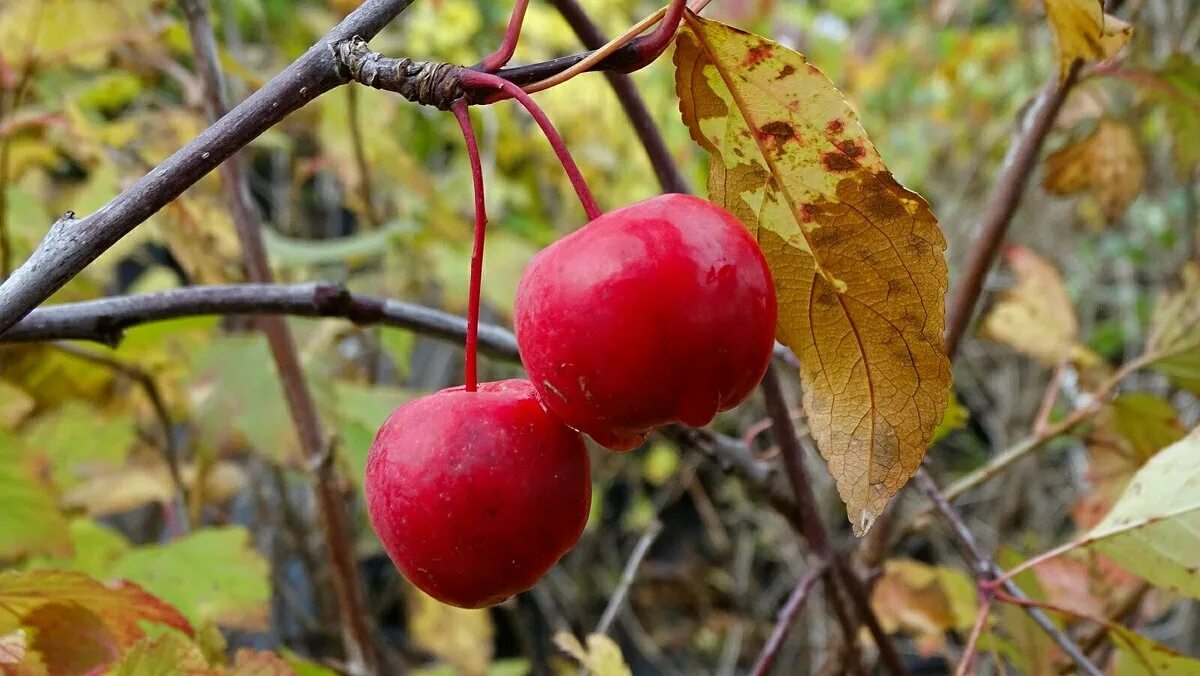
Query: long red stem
x=464, y=122
x=504, y=52
x=651, y=46
x=473, y=78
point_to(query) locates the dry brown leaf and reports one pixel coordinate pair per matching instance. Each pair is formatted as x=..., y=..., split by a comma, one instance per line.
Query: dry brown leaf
x=858, y=260
x=1083, y=31
x=1108, y=163
x=1036, y=317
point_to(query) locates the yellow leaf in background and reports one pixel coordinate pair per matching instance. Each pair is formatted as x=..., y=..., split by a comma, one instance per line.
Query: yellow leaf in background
x=602, y=655
x=1036, y=317
x=201, y=236
x=30, y=521
x=858, y=260
x=1137, y=655
x=1083, y=31
x=124, y=489
x=162, y=656
x=1108, y=163
x=72, y=32
x=50, y=377
x=924, y=601
x=456, y=636
x=1174, y=338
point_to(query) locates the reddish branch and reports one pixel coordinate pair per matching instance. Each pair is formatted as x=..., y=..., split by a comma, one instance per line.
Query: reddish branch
x=361, y=655
x=461, y=114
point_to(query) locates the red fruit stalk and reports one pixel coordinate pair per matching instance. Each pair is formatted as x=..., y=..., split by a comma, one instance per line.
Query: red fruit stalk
x=464, y=122
x=472, y=78
x=475, y=495
x=663, y=311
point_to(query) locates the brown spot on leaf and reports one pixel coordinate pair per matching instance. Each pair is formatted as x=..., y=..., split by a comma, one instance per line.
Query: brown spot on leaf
x=837, y=162
x=826, y=299
x=852, y=148
x=918, y=246
x=835, y=127
x=757, y=54
x=786, y=71
x=779, y=129
x=806, y=213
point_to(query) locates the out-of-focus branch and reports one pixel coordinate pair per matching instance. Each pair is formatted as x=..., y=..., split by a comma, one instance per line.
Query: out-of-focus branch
x=361, y=655
x=787, y=617
x=1007, y=196
x=667, y=171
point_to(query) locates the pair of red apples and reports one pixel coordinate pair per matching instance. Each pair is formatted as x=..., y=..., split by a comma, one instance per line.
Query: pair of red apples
x=663, y=311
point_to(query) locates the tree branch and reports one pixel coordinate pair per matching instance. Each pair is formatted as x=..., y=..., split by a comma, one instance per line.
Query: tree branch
x=1005, y=200
x=361, y=655
x=787, y=617
x=984, y=568
x=71, y=244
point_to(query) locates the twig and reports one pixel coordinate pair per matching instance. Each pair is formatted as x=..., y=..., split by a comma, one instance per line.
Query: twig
x=985, y=609
x=787, y=617
x=104, y=320
x=508, y=46
x=985, y=569
x=361, y=656
x=1042, y=419
x=1005, y=200
x=476, y=281
x=150, y=387
x=665, y=168
x=627, y=575
x=365, y=191
x=72, y=244
x=812, y=527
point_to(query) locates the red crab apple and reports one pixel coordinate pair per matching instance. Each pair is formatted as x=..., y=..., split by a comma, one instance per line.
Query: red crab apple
x=475, y=495
x=658, y=312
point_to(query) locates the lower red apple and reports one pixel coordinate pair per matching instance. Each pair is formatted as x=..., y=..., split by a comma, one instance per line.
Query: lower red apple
x=475, y=495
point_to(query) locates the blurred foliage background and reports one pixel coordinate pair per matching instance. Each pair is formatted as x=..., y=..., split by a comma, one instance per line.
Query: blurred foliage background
x=364, y=188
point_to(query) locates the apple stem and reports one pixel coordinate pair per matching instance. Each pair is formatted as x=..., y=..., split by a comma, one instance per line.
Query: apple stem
x=474, y=78
x=504, y=52
x=463, y=115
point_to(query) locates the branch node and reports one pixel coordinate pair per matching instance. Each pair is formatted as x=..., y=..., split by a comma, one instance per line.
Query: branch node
x=428, y=83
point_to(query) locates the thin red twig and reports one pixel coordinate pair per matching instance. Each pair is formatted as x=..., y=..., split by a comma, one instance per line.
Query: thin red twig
x=508, y=46
x=474, y=78
x=464, y=122
x=968, y=656
x=787, y=617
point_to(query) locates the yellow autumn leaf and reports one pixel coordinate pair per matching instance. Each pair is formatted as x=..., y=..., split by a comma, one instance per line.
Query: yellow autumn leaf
x=1108, y=163
x=924, y=601
x=457, y=636
x=858, y=260
x=602, y=656
x=1083, y=31
x=1036, y=317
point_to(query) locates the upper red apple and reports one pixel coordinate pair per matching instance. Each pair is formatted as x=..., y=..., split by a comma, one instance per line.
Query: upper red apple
x=658, y=312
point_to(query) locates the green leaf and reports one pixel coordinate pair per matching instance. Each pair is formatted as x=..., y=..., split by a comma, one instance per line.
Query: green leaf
x=360, y=410
x=30, y=521
x=244, y=396
x=211, y=575
x=95, y=549
x=78, y=439
x=1180, y=97
x=1154, y=528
